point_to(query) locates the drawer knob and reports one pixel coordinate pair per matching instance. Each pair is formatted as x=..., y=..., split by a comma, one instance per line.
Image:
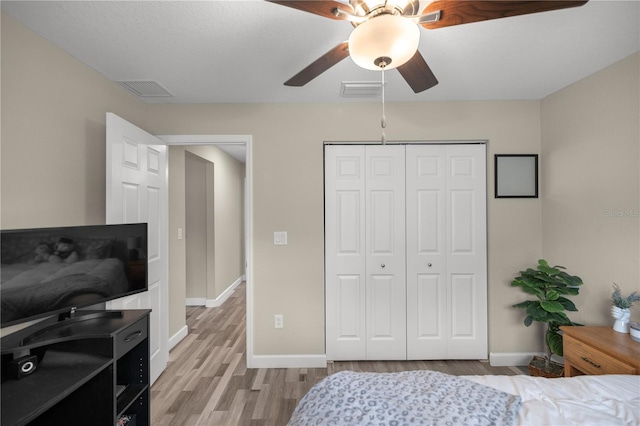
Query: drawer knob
x=585, y=359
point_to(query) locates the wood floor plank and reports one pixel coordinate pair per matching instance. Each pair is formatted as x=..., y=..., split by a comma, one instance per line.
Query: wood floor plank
x=261, y=403
x=259, y=380
x=206, y=381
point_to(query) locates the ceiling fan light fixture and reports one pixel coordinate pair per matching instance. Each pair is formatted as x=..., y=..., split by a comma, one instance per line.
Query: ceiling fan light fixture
x=385, y=41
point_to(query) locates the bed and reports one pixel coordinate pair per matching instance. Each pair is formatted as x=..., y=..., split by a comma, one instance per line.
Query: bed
x=30, y=288
x=433, y=398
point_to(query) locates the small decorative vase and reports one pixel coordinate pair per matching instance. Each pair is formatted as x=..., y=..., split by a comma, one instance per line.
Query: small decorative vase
x=622, y=317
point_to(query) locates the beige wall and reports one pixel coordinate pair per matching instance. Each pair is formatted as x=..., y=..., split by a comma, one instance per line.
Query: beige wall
x=288, y=196
x=177, y=248
x=195, y=226
x=591, y=185
x=53, y=133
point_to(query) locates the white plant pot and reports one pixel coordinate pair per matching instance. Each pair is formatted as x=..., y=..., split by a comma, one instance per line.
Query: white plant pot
x=622, y=317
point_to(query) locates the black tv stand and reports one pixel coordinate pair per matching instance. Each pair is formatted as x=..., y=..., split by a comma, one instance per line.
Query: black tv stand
x=96, y=369
x=80, y=315
x=60, y=330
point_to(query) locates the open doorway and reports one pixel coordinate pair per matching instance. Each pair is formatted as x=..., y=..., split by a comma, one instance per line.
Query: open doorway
x=234, y=145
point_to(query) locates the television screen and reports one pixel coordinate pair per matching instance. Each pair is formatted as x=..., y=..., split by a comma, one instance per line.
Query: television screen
x=48, y=271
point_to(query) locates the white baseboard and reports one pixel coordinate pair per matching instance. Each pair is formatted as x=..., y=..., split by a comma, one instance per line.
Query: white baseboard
x=214, y=303
x=177, y=338
x=287, y=361
x=511, y=359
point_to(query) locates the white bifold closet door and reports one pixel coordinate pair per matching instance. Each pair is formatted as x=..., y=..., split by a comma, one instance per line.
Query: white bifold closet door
x=446, y=252
x=365, y=250
x=396, y=225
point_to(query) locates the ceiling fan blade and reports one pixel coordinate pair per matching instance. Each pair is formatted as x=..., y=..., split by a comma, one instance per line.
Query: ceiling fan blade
x=418, y=74
x=320, y=65
x=454, y=12
x=317, y=7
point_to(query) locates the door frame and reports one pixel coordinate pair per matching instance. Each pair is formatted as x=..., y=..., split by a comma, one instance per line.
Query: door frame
x=248, y=212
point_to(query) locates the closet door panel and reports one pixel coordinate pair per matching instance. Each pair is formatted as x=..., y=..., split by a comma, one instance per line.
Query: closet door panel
x=429, y=206
x=381, y=229
x=462, y=311
x=345, y=252
x=385, y=248
x=381, y=308
x=466, y=254
x=462, y=222
x=428, y=339
x=348, y=309
x=426, y=303
x=427, y=328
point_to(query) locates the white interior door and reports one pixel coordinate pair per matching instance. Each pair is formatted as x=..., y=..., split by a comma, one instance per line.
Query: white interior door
x=385, y=252
x=446, y=252
x=136, y=188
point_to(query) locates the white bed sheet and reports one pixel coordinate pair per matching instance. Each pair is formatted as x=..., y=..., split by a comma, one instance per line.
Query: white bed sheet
x=606, y=400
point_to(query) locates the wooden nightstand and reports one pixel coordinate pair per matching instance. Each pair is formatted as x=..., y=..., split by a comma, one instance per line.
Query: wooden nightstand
x=599, y=350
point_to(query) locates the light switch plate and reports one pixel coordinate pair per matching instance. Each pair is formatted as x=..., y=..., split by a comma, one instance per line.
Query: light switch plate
x=280, y=238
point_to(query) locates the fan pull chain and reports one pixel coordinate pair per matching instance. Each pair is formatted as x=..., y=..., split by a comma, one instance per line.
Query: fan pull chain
x=383, y=121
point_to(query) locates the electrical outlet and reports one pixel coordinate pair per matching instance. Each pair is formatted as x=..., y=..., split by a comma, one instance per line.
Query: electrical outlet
x=279, y=321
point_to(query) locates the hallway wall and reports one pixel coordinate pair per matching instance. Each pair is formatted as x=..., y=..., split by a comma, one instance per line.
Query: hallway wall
x=228, y=181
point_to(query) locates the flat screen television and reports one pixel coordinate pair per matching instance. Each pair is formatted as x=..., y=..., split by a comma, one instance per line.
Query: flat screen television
x=49, y=271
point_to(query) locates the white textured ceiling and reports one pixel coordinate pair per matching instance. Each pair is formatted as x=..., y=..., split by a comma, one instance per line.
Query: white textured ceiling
x=242, y=51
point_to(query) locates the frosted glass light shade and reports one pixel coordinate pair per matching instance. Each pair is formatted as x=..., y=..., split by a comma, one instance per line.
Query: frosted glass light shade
x=385, y=36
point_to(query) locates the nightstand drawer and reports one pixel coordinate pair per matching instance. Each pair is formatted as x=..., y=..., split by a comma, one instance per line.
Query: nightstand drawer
x=590, y=360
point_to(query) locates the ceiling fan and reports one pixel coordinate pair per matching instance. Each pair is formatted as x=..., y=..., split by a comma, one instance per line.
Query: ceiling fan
x=386, y=32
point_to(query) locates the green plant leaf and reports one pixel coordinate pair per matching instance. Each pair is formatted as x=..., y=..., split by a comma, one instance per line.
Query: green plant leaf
x=535, y=311
x=559, y=318
x=569, y=290
x=553, y=295
x=568, y=304
x=554, y=341
x=528, y=321
x=570, y=280
x=529, y=286
x=552, y=306
x=523, y=304
x=548, y=270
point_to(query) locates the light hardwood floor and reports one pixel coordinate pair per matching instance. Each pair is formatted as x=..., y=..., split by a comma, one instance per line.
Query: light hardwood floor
x=207, y=383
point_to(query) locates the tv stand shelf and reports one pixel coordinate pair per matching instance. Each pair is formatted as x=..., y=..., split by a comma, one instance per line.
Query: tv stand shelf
x=82, y=364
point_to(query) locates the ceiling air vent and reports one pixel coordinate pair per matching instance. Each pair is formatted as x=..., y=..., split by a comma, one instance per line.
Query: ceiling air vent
x=361, y=89
x=146, y=88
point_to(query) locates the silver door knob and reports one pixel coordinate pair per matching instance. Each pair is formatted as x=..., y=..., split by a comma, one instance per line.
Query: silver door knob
x=383, y=265
x=429, y=265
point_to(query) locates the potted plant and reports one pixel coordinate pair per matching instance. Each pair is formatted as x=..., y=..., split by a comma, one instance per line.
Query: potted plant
x=621, y=308
x=550, y=285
